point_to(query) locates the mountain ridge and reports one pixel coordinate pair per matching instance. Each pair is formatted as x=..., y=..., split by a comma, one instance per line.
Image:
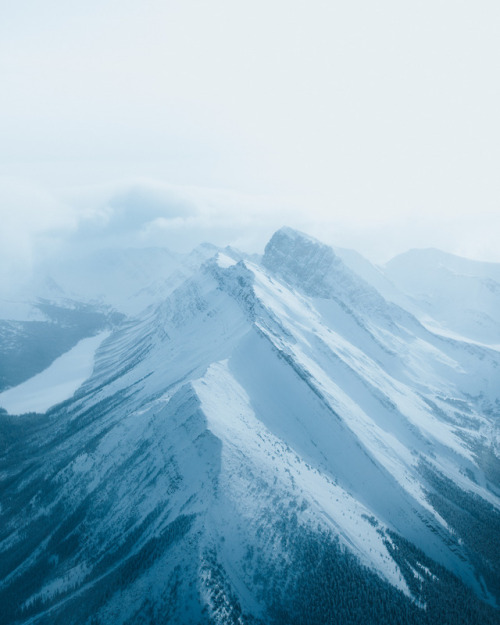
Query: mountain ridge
x=235, y=429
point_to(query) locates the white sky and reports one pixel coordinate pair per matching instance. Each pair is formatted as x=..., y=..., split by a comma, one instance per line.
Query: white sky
x=373, y=125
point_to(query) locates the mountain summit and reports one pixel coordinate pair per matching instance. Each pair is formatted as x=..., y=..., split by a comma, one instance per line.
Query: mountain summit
x=271, y=443
x=301, y=261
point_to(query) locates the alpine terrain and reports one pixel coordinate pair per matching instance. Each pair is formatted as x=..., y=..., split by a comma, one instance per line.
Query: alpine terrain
x=297, y=438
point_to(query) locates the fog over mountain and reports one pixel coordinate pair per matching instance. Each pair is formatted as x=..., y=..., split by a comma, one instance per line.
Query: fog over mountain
x=371, y=126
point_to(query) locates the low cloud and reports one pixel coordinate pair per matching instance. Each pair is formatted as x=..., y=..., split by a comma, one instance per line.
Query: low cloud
x=39, y=225
x=128, y=207
x=33, y=220
x=50, y=225
x=148, y=213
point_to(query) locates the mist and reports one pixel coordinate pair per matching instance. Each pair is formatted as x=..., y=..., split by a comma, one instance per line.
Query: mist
x=167, y=124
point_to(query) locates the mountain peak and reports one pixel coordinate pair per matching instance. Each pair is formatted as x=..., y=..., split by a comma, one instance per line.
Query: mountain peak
x=292, y=233
x=300, y=259
x=295, y=242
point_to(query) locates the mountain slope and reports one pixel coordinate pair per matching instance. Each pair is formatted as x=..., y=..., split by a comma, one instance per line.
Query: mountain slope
x=77, y=297
x=273, y=443
x=461, y=295
x=29, y=345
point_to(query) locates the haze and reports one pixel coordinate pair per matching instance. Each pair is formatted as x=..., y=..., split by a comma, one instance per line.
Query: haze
x=370, y=125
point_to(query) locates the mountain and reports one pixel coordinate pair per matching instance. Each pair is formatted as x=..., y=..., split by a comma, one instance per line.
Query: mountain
x=42, y=330
x=126, y=280
x=273, y=442
x=80, y=296
x=455, y=294
x=377, y=277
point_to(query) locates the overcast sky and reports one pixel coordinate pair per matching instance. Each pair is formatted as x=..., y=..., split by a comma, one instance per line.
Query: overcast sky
x=373, y=125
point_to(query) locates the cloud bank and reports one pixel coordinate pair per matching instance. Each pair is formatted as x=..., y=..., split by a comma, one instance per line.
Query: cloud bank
x=371, y=125
x=41, y=224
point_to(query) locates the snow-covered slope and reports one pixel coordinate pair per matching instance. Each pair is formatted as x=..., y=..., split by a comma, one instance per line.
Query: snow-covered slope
x=457, y=294
x=78, y=296
x=272, y=443
x=57, y=382
x=36, y=332
x=128, y=280
x=124, y=279
x=377, y=278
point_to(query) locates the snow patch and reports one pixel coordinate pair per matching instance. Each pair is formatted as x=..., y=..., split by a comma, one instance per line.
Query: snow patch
x=224, y=261
x=56, y=383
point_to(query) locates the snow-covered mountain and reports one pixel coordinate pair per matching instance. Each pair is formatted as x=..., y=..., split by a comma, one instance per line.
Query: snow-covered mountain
x=125, y=279
x=273, y=442
x=456, y=294
x=33, y=333
x=75, y=298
